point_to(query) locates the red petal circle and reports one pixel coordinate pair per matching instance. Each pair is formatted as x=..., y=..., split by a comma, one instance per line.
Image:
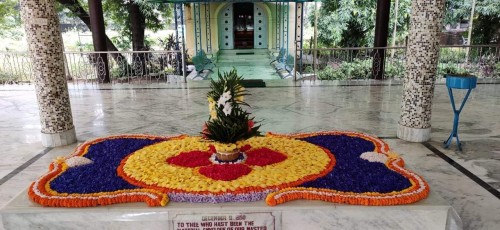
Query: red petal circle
x=263, y=157
x=225, y=172
x=245, y=148
x=191, y=159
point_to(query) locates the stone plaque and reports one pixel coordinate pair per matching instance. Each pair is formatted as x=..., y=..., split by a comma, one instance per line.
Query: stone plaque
x=225, y=221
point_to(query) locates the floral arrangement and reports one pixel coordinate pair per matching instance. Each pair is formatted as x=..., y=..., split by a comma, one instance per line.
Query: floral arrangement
x=228, y=121
x=334, y=166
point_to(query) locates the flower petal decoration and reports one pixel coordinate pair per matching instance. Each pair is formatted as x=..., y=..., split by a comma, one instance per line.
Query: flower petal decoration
x=374, y=157
x=147, y=170
x=263, y=157
x=191, y=159
x=334, y=166
x=77, y=161
x=355, y=180
x=225, y=172
x=97, y=183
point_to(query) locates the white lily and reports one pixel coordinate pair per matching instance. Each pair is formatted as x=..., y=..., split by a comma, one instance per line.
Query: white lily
x=224, y=98
x=228, y=108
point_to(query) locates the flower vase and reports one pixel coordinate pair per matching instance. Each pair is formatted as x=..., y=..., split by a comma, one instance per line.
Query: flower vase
x=227, y=152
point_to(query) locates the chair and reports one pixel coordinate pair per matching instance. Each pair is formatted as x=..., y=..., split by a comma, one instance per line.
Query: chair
x=202, y=62
x=280, y=56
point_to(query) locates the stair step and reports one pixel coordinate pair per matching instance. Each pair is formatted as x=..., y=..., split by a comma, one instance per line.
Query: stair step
x=245, y=51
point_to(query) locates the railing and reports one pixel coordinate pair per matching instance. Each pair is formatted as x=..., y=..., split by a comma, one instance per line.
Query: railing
x=356, y=63
x=480, y=60
x=15, y=68
x=90, y=67
x=330, y=64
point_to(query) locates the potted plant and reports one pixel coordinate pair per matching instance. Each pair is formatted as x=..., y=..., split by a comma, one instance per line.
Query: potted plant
x=460, y=79
x=228, y=122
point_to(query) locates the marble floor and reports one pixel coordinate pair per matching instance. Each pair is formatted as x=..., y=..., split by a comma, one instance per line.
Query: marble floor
x=468, y=180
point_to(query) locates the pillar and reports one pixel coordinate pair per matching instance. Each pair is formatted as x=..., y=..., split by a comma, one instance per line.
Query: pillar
x=45, y=45
x=422, y=56
x=381, y=36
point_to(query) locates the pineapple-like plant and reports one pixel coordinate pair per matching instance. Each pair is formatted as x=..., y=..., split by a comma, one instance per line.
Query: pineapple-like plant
x=228, y=121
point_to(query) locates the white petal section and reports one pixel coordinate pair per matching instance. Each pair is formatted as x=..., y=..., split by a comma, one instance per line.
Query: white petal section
x=374, y=157
x=77, y=161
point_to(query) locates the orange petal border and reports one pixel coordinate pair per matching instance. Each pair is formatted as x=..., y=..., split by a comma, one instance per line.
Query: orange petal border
x=419, y=188
x=40, y=192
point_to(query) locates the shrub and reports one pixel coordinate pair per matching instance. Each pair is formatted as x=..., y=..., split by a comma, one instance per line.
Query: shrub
x=394, y=70
x=357, y=69
x=452, y=55
x=446, y=68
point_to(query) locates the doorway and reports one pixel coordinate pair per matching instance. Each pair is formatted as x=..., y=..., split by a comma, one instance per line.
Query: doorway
x=243, y=18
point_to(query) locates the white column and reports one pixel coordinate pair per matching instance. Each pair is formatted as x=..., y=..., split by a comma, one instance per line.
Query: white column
x=45, y=46
x=422, y=57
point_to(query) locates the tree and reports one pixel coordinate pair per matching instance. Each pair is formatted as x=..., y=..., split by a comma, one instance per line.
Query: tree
x=403, y=20
x=129, y=17
x=486, y=26
x=79, y=11
x=132, y=17
x=346, y=23
x=351, y=23
x=9, y=15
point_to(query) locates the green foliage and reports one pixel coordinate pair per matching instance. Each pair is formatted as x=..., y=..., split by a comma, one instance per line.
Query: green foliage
x=119, y=70
x=395, y=69
x=486, y=29
x=486, y=25
x=329, y=73
x=9, y=16
x=482, y=62
x=488, y=66
x=496, y=70
x=450, y=68
x=309, y=69
x=121, y=42
x=454, y=55
x=170, y=44
x=236, y=125
x=359, y=69
x=351, y=23
x=116, y=14
x=403, y=20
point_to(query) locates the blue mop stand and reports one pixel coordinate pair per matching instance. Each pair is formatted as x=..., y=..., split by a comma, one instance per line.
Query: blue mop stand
x=458, y=82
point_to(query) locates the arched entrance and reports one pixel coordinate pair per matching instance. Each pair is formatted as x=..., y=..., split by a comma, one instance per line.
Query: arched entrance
x=242, y=26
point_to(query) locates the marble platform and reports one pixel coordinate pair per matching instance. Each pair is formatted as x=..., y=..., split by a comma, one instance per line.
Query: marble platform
x=102, y=110
x=431, y=213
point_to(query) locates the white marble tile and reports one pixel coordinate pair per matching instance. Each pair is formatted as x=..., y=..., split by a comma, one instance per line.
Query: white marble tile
x=475, y=205
x=479, y=156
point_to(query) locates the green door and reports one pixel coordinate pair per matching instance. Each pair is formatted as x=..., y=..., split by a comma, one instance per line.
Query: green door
x=226, y=35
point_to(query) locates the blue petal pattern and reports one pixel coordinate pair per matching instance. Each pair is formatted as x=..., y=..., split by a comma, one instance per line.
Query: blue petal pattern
x=351, y=173
x=100, y=176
